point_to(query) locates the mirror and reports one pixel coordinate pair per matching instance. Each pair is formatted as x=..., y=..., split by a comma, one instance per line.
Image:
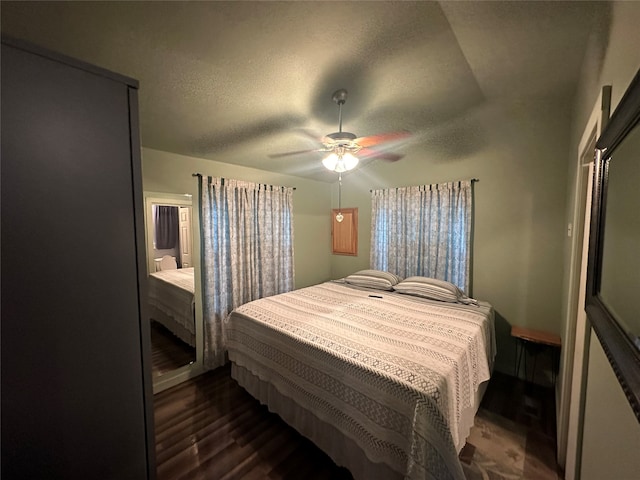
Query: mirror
x=620, y=278
x=171, y=287
x=613, y=280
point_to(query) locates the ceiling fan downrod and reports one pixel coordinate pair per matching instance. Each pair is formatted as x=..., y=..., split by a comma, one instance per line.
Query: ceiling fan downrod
x=340, y=97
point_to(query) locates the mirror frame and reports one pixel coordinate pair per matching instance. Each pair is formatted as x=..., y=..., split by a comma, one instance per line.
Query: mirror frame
x=623, y=355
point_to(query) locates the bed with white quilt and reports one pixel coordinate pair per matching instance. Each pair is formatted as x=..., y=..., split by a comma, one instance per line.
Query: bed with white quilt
x=386, y=383
x=172, y=302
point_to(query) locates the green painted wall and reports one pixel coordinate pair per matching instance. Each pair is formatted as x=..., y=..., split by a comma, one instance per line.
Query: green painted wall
x=611, y=431
x=171, y=173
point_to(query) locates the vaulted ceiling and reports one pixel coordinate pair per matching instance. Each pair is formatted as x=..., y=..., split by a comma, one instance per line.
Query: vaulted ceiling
x=239, y=81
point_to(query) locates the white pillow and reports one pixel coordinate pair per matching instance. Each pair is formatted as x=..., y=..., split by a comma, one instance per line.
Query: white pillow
x=433, y=289
x=373, y=279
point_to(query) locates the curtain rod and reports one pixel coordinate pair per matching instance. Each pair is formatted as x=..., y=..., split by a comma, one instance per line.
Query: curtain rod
x=200, y=175
x=472, y=181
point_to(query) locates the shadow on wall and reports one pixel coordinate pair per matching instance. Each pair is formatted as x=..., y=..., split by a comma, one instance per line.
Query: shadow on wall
x=505, y=346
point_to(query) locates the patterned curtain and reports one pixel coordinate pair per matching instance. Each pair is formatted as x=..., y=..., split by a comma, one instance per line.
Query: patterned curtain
x=424, y=230
x=247, y=244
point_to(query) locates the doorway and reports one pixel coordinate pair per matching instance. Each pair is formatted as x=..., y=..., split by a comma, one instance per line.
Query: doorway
x=577, y=331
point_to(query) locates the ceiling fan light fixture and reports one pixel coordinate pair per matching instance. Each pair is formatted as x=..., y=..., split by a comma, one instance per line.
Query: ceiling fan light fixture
x=330, y=162
x=350, y=161
x=340, y=163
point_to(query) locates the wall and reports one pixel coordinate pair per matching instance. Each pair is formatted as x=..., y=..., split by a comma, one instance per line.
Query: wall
x=518, y=152
x=172, y=173
x=611, y=431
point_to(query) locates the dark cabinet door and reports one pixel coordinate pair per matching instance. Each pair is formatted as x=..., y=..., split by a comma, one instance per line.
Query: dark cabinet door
x=73, y=395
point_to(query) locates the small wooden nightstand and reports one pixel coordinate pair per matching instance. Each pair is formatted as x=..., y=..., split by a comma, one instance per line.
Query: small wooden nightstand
x=534, y=341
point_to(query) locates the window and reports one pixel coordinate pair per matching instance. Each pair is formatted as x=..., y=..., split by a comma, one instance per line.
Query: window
x=423, y=230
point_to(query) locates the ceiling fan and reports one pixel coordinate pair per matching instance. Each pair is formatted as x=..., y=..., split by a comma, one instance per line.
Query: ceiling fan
x=343, y=146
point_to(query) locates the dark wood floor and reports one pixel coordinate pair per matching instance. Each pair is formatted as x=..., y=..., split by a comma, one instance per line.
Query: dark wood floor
x=210, y=428
x=168, y=352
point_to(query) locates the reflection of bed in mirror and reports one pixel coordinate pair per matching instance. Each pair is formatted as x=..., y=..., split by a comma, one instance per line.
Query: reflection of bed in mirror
x=387, y=384
x=172, y=302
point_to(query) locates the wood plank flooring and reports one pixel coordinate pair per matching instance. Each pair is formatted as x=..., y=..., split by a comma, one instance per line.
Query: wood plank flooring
x=210, y=428
x=168, y=352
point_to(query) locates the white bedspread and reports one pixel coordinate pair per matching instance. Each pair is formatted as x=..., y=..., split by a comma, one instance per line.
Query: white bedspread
x=172, y=292
x=395, y=374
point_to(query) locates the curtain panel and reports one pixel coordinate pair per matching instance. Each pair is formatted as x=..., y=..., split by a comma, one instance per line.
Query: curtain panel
x=166, y=222
x=247, y=242
x=423, y=230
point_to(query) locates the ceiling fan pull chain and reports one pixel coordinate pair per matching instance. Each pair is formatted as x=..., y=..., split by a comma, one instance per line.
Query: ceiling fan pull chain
x=339, y=216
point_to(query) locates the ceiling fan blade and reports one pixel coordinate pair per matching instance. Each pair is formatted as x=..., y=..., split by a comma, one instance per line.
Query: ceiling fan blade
x=367, y=153
x=309, y=134
x=288, y=154
x=381, y=138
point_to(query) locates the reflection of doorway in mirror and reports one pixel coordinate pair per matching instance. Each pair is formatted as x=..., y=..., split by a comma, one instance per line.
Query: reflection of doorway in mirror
x=171, y=233
x=185, y=236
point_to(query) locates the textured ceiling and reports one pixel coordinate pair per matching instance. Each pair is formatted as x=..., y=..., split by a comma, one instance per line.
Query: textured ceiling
x=237, y=81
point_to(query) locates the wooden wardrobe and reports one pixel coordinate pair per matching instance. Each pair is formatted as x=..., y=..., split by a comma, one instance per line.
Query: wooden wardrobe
x=76, y=387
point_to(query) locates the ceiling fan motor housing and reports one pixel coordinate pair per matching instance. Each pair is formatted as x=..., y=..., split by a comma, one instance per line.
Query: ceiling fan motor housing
x=343, y=141
x=342, y=136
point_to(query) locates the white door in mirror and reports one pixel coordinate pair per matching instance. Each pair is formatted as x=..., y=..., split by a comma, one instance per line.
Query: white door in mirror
x=185, y=236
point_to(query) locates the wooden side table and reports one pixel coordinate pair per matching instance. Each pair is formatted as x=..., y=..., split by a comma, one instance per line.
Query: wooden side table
x=534, y=341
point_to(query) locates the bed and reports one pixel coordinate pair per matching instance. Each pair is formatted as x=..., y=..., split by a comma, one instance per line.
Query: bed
x=386, y=383
x=172, y=302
